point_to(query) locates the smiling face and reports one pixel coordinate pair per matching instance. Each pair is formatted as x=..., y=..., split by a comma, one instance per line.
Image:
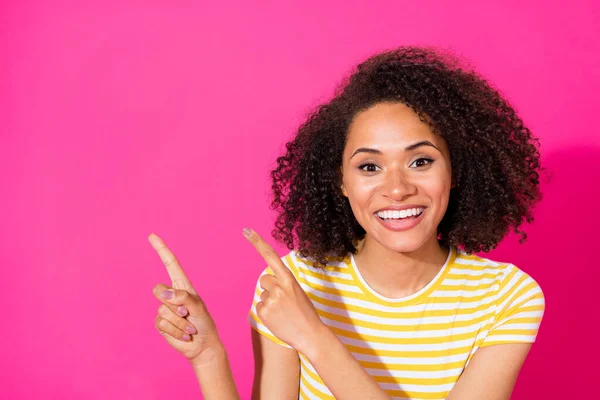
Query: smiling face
x=393, y=161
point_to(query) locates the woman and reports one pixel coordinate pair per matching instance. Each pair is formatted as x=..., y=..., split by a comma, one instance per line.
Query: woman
x=383, y=195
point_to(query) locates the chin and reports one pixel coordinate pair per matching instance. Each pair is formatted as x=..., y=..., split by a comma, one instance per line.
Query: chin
x=400, y=242
x=404, y=245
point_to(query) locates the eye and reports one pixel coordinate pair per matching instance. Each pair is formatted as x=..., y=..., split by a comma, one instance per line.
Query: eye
x=422, y=162
x=370, y=167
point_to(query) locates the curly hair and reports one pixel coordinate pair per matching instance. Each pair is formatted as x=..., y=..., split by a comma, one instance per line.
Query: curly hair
x=494, y=157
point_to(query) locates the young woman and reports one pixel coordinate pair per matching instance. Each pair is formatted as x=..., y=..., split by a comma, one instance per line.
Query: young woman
x=383, y=195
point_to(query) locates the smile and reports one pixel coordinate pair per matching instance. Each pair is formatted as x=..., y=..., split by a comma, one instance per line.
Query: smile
x=400, y=220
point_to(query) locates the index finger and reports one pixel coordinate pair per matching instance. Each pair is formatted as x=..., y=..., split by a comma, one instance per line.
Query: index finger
x=178, y=278
x=267, y=253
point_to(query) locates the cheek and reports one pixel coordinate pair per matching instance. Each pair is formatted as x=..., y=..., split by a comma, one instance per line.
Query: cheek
x=360, y=196
x=359, y=199
x=361, y=188
x=436, y=189
x=438, y=182
x=439, y=193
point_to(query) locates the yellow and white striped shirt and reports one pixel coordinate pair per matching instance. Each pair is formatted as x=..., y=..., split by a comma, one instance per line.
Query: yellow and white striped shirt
x=416, y=347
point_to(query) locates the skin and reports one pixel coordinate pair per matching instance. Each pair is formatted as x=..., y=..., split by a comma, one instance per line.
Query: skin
x=181, y=306
x=395, y=264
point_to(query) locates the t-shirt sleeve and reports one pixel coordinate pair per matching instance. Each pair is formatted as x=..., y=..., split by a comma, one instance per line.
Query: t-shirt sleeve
x=253, y=318
x=519, y=310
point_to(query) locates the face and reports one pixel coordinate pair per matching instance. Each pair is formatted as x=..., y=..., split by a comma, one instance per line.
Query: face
x=397, y=176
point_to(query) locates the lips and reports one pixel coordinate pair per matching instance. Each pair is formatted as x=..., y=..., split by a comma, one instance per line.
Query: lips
x=399, y=225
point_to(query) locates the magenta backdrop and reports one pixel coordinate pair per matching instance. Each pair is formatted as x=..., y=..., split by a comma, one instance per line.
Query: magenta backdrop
x=120, y=118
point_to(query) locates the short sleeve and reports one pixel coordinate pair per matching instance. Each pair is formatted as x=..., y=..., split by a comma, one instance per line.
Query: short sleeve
x=253, y=319
x=519, y=310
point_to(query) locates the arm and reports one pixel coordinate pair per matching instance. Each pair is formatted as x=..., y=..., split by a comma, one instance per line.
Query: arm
x=491, y=373
x=276, y=370
x=493, y=370
x=185, y=323
x=340, y=371
x=215, y=377
x=285, y=312
x=290, y=316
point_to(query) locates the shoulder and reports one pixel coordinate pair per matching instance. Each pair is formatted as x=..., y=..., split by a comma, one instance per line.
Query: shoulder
x=303, y=266
x=507, y=277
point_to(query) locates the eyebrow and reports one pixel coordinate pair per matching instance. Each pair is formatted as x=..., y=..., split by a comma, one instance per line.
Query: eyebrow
x=407, y=148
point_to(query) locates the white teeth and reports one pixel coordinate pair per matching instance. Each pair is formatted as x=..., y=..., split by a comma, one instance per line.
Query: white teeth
x=395, y=214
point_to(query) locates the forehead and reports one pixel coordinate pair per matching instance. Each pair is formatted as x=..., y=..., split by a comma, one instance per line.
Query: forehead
x=388, y=126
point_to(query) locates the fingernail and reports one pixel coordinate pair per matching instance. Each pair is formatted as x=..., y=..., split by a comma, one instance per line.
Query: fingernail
x=166, y=294
x=182, y=311
x=190, y=329
x=246, y=232
x=186, y=337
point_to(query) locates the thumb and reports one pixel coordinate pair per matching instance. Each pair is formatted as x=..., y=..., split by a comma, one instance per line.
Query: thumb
x=193, y=303
x=175, y=297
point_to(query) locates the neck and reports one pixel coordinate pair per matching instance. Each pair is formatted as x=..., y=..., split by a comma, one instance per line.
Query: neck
x=396, y=275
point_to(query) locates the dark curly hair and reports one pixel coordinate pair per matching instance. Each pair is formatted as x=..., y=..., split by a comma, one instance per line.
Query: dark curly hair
x=494, y=157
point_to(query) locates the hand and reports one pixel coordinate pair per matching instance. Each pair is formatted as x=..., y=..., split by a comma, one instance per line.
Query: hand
x=183, y=319
x=284, y=307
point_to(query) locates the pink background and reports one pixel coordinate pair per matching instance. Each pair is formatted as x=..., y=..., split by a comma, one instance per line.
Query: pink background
x=119, y=118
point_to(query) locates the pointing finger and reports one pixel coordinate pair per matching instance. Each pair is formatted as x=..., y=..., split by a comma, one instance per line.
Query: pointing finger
x=268, y=254
x=178, y=277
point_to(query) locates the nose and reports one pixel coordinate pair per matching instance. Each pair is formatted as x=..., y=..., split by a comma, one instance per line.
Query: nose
x=397, y=186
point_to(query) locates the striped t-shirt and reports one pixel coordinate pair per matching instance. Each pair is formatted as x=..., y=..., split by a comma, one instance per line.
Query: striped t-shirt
x=416, y=347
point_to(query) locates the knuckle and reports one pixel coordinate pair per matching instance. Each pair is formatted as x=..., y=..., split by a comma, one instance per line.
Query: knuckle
x=181, y=323
x=168, y=261
x=268, y=252
x=202, y=309
x=260, y=311
x=287, y=281
x=163, y=325
x=181, y=297
x=263, y=280
x=277, y=292
x=265, y=313
x=184, y=295
x=163, y=310
x=182, y=284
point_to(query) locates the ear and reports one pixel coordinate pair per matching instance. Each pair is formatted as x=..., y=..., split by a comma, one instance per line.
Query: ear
x=342, y=187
